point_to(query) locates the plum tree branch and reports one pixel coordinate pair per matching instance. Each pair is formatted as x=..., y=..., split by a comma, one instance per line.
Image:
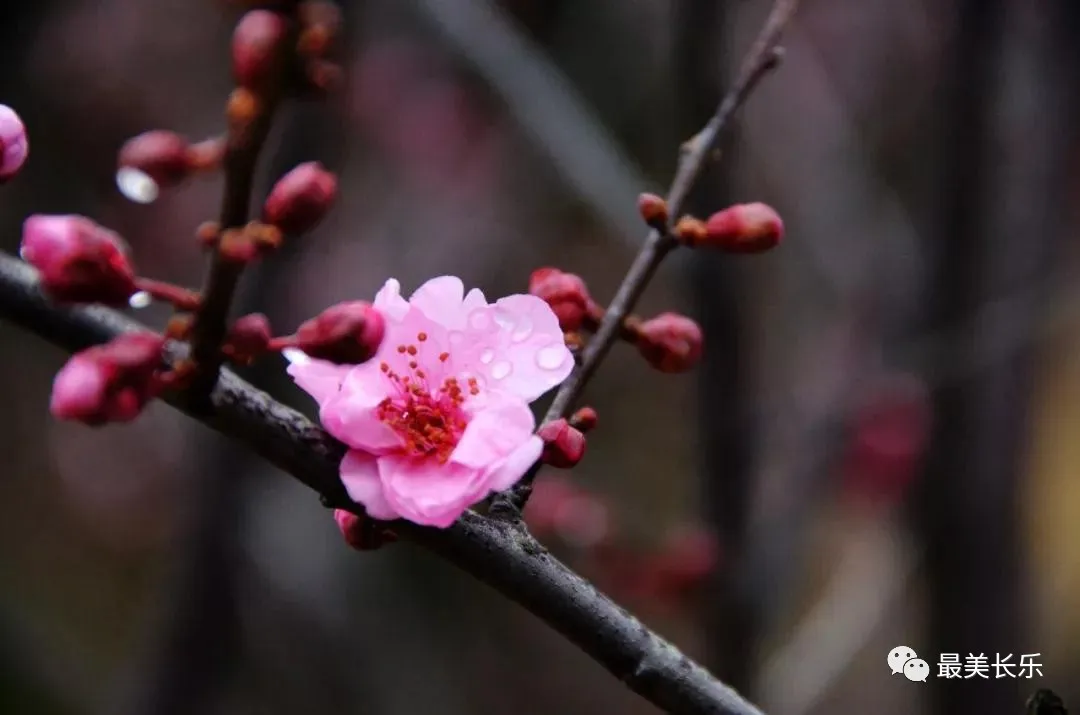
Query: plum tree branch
x=501, y=554
x=763, y=56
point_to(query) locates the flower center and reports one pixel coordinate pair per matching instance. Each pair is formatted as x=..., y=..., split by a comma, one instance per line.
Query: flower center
x=430, y=419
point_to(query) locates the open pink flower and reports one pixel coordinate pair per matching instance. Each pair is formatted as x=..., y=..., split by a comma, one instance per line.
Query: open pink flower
x=440, y=417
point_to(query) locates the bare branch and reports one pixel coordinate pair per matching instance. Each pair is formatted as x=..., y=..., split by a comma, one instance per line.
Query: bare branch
x=503, y=555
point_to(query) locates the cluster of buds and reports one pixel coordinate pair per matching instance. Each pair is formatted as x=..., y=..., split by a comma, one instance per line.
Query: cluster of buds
x=661, y=578
x=14, y=146
x=669, y=342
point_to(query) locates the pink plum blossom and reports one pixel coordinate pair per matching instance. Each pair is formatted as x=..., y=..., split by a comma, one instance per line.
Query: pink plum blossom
x=440, y=418
x=14, y=146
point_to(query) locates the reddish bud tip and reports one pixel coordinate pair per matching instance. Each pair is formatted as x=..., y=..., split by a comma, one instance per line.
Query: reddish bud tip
x=256, y=48
x=78, y=260
x=670, y=342
x=301, y=198
x=247, y=338
x=744, y=228
x=566, y=293
x=585, y=419
x=158, y=155
x=14, y=146
x=108, y=383
x=361, y=533
x=653, y=210
x=346, y=334
x=564, y=446
x=690, y=231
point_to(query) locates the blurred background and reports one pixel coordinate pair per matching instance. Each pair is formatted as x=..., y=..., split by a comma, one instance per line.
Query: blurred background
x=877, y=450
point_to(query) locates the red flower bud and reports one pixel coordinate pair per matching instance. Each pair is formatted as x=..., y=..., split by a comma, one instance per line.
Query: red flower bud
x=346, y=333
x=653, y=210
x=152, y=160
x=248, y=337
x=670, y=342
x=78, y=260
x=361, y=533
x=565, y=293
x=256, y=48
x=585, y=419
x=744, y=228
x=301, y=198
x=564, y=446
x=110, y=382
x=14, y=146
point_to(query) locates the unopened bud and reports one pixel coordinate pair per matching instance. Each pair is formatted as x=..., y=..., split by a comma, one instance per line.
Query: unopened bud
x=78, y=260
x=110, y=382
x=361, y=533
x=301, y=198
x=744, y=228
x=14, y=146
x=566, y=293
x=248, y=338
x=670, y=342
x=257, y=47
x=564, y=446
x=321, y=23
x=585, y=419
x=653, y=210
x=345, y=334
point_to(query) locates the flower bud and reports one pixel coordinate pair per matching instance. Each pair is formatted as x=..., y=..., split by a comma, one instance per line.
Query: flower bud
x=110, y=382
x=653, y=210
x=565, y=293
x=78, y=260
x=744, y=228
x=248, y=338
x=670, y=342
x=301, y=198
x=150, y=161
x=14, y=146
x=361, y=533
x=564, y=446
x=585, y=419
x=257, y=48
x=345, y=334
x=690, y=231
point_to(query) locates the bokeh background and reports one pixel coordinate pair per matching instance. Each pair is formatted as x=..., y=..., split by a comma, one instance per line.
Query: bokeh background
x=878, y=449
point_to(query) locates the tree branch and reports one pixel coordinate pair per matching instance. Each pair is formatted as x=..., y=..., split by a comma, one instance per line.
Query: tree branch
x=501, y=554
x=763, y=57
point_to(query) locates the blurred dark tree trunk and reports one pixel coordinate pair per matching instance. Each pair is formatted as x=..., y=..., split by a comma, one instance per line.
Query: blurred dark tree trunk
x=1004, y=136
x=726, y=433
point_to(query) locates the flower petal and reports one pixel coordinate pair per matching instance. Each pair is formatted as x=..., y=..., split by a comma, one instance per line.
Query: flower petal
x=428, y=493
x=350, y=415
x=499, y=427
x=318, y=378
x=507, y=472
x=360, y=475
x=389, y=301
x=441, y=300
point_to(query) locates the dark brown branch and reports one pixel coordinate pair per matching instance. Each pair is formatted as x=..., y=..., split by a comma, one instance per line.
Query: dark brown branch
x=763, y=57
x=503, y=555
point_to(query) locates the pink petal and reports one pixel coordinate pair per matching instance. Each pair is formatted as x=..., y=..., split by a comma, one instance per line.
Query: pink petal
x=441, y=300
x=473, y=300
x=360, y=475
x=494, y=432
x=350, y=415
x=428, y=493
x=507, y=472
x=389, y=301
x=318, y=378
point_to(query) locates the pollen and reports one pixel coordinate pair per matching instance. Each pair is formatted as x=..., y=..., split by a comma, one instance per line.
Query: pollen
x=421, y=337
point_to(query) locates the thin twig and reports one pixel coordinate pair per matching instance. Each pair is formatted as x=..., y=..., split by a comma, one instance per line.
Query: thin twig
x=763, y=56
x=503, y=555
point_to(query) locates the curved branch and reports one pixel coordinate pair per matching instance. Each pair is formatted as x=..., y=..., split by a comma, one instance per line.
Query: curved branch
x=501, y=554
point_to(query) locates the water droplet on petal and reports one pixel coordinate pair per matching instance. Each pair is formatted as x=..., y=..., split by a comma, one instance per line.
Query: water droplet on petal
x=522, y=329
x=552, y=357
x=136, y=186
x=487, y=356
x=501, y=369
x=139, y=300
x=504, y=319
x=480, y=319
